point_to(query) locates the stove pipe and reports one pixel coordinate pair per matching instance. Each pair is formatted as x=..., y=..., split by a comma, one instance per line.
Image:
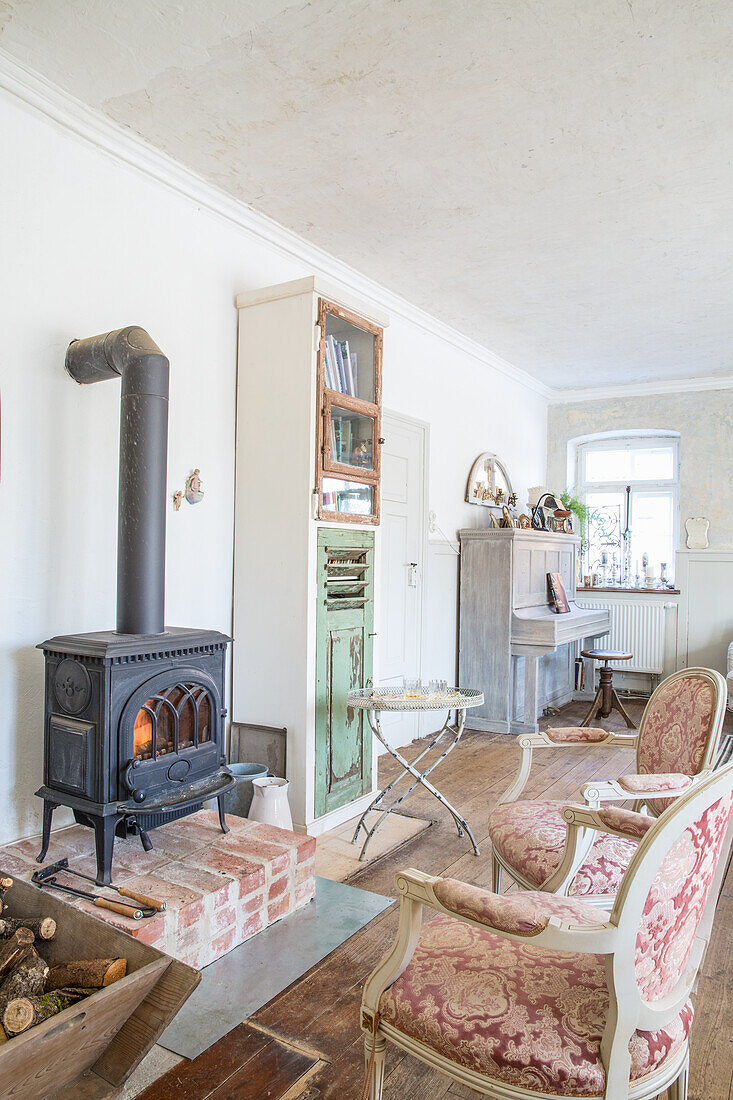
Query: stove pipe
x=129, y=353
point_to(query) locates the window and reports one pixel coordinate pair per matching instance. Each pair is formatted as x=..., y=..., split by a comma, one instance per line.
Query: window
x=631, y=485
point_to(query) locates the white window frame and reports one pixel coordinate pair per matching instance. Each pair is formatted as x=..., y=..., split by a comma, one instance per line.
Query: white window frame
x=629, y=442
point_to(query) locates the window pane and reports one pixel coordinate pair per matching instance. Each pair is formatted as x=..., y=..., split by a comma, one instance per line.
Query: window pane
x=610, y=465
x=652, y=463
x=604, y=532
x=652, y=517
x=348, y=497
x=352, y=438
x=350, y=357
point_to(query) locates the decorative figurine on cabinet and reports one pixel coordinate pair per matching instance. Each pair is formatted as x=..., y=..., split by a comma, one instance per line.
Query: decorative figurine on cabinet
x=178, y=499
x=194, y=492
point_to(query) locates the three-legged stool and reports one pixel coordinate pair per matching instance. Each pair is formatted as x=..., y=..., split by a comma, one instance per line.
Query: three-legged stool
x=606, y=698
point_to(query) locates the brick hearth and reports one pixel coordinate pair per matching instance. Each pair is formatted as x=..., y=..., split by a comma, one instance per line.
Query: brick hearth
x=220, y=889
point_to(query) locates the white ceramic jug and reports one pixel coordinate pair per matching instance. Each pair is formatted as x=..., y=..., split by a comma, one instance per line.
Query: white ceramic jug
x=270, y=802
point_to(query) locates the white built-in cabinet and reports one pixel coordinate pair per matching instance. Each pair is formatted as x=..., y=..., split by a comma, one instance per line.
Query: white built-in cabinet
x=287, y=456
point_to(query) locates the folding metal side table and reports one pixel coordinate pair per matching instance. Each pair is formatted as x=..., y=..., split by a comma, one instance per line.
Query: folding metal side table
x=374, y=701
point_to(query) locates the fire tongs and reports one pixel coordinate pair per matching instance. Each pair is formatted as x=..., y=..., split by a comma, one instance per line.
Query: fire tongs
x=146, y=907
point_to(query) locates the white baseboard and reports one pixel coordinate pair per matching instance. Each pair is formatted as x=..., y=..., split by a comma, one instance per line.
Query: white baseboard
x=337, y=817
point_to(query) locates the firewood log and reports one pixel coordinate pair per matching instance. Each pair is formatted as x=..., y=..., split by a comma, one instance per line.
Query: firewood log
x=28, y=978
x=15, y=949
x=43, y=928
x=3, y=1036
x=86, y=973
x=5, y=884
x=25, y=1012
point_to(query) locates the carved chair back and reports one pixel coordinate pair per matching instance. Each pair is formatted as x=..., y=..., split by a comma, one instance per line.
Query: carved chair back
x=665, y=926
x=681, y=725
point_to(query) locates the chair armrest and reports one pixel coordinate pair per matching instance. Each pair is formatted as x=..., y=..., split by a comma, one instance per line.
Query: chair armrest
x=673, y=783
x=576, y=735
x=610, y=819
x=570, y=737
x=646, y=787
x=510, y=915
x=513, y=913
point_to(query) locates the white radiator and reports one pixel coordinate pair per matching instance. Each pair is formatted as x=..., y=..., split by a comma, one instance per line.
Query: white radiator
x=637, y=625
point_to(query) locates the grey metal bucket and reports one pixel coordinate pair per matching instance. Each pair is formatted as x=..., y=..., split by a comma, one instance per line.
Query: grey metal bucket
x=239, y=799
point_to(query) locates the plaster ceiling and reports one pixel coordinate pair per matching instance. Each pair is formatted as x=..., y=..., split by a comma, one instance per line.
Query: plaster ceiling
x=550, y=177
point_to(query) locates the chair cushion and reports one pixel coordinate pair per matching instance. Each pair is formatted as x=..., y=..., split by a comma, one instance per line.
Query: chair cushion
x=530, y=836
x=517, y=1013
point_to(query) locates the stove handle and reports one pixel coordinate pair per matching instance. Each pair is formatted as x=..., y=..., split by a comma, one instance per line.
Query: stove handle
x=137, y=794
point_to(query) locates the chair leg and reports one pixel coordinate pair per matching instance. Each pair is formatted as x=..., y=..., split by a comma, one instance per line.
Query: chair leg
x=377, y=1060
x=678, y=1090
x=495, y=874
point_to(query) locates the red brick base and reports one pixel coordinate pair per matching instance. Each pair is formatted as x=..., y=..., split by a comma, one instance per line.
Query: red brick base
x=220, y=889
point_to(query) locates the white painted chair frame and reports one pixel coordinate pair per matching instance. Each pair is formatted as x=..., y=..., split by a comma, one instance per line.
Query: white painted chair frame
x=579, y=842
x=616, y=939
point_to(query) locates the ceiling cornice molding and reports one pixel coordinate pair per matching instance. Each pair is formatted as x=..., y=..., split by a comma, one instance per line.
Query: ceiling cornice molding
x=642, y=389
x=43, y=96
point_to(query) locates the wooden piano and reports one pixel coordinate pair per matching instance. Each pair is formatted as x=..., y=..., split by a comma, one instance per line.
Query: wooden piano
x=512, y=645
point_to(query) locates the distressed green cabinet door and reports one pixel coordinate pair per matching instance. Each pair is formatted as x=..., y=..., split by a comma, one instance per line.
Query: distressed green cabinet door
x=344, y=647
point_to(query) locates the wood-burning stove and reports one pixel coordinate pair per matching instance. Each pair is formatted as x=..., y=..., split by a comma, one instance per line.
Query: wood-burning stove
x=134, y=718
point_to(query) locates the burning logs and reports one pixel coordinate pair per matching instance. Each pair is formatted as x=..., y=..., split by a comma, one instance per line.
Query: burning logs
x=30, y=992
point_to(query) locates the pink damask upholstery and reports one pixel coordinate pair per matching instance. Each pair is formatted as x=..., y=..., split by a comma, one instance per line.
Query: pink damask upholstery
x=523, y=914
x=530, y=836
x=575, y=735
x=640, y=784
x=517, y=1013
x=626, y=821
x=675, y=728
x=675, y=903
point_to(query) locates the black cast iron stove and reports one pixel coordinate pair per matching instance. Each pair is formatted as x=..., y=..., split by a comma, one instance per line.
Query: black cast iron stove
x=134, y=718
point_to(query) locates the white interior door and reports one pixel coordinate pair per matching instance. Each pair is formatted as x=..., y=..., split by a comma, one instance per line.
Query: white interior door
x=402, y=534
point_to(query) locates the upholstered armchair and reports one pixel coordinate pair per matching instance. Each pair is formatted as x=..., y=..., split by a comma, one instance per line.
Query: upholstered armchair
x=531, y=995
x=676, y=744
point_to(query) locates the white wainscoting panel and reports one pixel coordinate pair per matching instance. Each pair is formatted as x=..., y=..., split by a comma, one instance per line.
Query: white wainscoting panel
x=705, y=626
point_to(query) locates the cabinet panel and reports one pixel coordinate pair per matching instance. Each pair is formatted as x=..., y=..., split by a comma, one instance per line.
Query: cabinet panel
x=344, y=649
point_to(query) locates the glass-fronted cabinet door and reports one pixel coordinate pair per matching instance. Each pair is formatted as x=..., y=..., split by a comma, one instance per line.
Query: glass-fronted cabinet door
x=350, y=400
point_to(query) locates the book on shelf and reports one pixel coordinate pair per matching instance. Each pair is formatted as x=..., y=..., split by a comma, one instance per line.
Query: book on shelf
x=339, y=365
x=558, y=595
x=332, y=366
x=346, y=357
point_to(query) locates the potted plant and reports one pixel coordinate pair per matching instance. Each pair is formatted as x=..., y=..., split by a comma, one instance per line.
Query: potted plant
x=584, y=515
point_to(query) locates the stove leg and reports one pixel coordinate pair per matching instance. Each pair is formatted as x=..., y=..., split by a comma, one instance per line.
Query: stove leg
x=104, y=842
x=222, y=818
x=48, y=808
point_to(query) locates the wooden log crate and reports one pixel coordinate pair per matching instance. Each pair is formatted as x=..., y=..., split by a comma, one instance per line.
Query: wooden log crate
x=104, y=1035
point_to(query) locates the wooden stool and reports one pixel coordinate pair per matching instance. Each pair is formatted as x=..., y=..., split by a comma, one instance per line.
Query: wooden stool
x=606, y=698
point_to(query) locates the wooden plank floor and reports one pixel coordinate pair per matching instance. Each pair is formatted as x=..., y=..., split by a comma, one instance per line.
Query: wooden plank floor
x=306, y=1043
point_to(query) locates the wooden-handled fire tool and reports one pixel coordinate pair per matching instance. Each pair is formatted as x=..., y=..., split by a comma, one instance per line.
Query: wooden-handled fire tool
x=45, y=878
x=141, y=899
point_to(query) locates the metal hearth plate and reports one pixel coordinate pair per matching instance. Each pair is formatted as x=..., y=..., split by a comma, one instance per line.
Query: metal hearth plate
x=235, y=986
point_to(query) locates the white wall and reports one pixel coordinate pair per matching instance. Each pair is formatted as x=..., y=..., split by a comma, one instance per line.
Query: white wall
x=90, y=244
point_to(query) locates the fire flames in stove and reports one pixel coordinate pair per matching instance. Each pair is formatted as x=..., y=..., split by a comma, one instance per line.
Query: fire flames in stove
x=172, y=721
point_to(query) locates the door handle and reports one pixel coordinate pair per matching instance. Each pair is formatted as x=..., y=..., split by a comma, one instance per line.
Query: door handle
x=412, y=575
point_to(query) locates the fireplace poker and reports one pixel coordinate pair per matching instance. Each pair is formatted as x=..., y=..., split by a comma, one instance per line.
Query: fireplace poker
x=45, y=879
x=123, y=891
